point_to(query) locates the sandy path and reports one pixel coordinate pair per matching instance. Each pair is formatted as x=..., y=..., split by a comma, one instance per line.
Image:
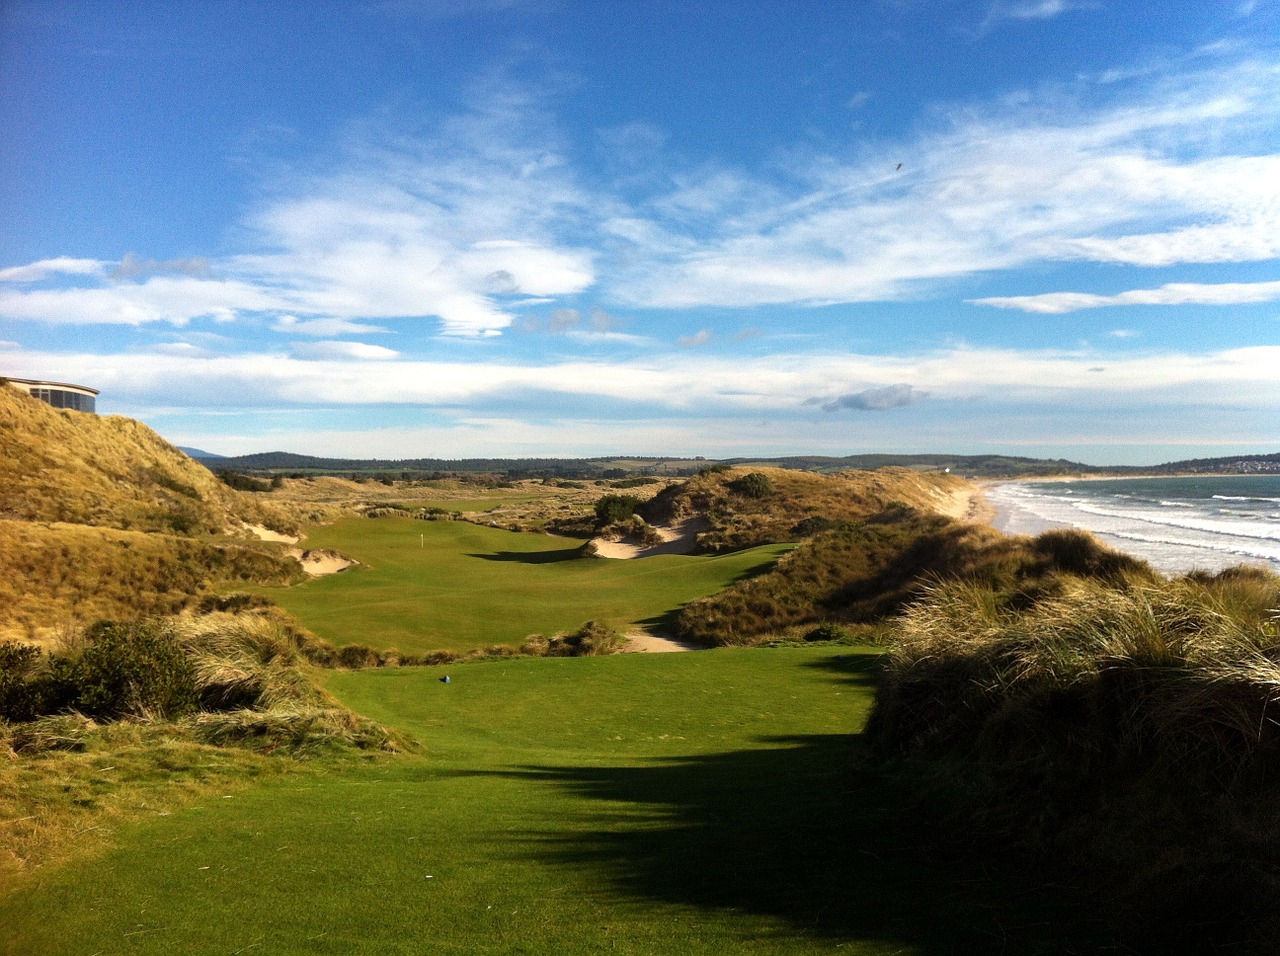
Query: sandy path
x=966, y=504
x=642, y=642
x=266, y=534
x=679, y=538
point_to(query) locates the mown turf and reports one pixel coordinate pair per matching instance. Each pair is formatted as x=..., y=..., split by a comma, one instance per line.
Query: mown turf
x=694, y=803
x=425, y=585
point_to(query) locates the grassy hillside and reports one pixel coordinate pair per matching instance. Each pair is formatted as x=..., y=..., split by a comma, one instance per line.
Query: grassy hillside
x=101, y=518
x=61, y=576
x=112, y=472
x=679, y=803
x=1127, y=732
x=788, y=505
x=422, y=586
x=865, y=572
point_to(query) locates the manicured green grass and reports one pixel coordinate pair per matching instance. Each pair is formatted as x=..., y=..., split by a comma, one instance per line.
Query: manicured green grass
x=676, y=803
x=449, y=584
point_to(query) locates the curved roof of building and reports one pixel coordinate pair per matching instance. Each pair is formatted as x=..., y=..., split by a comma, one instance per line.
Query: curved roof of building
x=46, y=384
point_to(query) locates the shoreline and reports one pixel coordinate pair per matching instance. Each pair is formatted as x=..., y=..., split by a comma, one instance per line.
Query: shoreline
x=1170, y=546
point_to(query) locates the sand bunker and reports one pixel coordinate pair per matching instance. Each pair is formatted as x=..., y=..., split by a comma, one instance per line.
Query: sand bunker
x=642, y=642
x=679, y=538
x=322, y=561
x=266, y=534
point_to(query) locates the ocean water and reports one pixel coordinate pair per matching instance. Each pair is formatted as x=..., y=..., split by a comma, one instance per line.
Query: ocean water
x=1177, y=524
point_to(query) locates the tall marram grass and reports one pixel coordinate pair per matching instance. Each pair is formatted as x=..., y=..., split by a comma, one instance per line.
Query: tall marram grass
x=111, y=471
x=68, y=779
x=62, y=575
x=747, y=507
x=1181, y=669
x=1130, y=733
x=865, y=572
x=227, y=677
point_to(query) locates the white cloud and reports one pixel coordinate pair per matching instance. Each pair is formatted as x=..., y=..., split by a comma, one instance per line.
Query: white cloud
x=184, y=349
x=592, y=337
x=9, y=345
x=1152, y=179
x=681, y=383
x=358, y=351
x=324, y=328
x=161, y=299
x=684, y=403
x=698, y=338
x=481, y=214
x=443, y=225
x=1173, y=293
x=46, y=268
x=1039, y=9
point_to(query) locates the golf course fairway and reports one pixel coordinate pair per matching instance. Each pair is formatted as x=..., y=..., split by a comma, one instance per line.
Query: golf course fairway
x=426, y=585
x=677, y=803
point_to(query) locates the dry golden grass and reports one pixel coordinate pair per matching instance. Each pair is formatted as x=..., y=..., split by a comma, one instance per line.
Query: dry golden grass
x=113, y=472
x=1128, y=731
x=798, y=502
x=58, y=576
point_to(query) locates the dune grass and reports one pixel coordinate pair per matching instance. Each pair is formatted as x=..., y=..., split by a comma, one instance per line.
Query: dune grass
x=692, y=803
x=1128, y=731
x=423, y=586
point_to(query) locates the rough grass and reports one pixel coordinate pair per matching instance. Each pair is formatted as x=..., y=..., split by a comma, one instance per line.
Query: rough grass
x=112, y=472
x=680, y=803
x=795, y=504
x=424, y=586
x=65, y=776
x=1131, y=734
x=867, y=571
x=59, y=577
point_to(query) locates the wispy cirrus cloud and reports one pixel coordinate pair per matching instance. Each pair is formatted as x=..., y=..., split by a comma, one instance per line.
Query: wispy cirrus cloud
x=1148, y=178
x=1035, y=9
x=459, y=224
x=324, y=328
x=445, y=226
x=176, y=300
x=45, y=268
x=337, y=350
x=1029, y=11
x=1171, y=293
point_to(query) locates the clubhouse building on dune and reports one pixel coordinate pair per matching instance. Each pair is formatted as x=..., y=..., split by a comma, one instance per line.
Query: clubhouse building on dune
x=79, y=398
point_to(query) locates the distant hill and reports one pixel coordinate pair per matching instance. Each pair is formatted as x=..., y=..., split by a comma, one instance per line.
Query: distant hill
x=286, y=462
x=979, y=466
x=1234, y=465
x=197, y=453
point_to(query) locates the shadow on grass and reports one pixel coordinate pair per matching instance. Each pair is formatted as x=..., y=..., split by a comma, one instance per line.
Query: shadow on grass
x=533, y=557
x=796, y=830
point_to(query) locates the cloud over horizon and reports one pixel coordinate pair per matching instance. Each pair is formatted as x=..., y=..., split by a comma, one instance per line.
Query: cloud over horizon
x=873, y=399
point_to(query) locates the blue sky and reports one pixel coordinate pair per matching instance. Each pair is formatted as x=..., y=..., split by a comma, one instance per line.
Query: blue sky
x=409, y=228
